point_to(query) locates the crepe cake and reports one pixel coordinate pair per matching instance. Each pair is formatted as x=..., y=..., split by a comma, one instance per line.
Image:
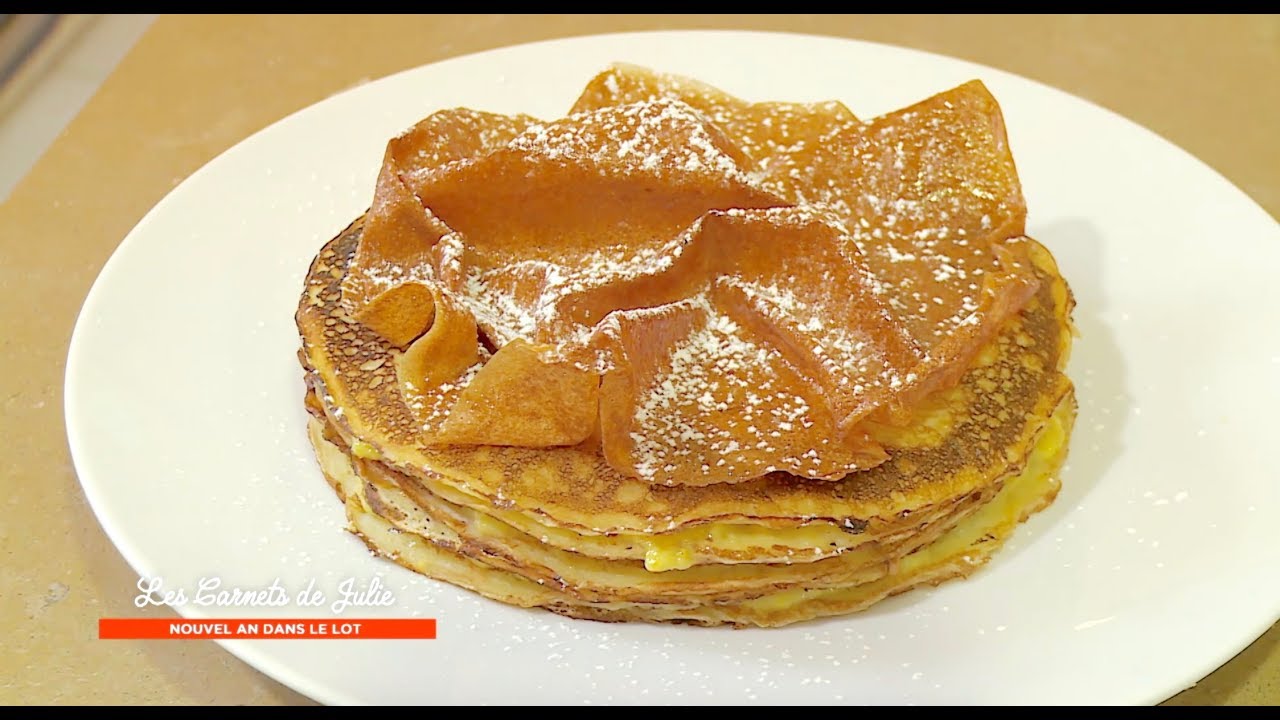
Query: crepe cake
x=681, y=357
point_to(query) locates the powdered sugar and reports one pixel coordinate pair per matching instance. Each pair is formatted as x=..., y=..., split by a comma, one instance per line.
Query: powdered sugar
x=659, y=135
x=772, y=362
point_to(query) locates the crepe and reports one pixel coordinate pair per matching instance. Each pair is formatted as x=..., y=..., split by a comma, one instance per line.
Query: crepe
x=681, y=357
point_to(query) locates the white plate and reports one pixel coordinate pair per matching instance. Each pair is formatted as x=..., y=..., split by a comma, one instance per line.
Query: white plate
x=1156, y=564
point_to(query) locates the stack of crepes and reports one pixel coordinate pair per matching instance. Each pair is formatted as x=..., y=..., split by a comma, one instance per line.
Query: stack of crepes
x=681, y=357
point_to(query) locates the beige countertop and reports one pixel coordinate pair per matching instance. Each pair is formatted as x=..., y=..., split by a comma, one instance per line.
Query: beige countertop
x=204, y=83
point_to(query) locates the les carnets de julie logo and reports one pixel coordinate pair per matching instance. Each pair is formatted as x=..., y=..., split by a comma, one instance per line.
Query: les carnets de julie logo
x=350, y=595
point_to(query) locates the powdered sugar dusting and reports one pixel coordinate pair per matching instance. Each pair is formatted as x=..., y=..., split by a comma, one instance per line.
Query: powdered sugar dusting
x=645, y=136
x=883, y=255
x=719, y=407
x=431, y=403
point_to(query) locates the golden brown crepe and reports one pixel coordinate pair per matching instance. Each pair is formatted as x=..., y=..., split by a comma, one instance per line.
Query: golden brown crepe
x=677, y=356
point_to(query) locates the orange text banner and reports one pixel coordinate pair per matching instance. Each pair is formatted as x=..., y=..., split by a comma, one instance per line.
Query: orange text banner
x=266, y=629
